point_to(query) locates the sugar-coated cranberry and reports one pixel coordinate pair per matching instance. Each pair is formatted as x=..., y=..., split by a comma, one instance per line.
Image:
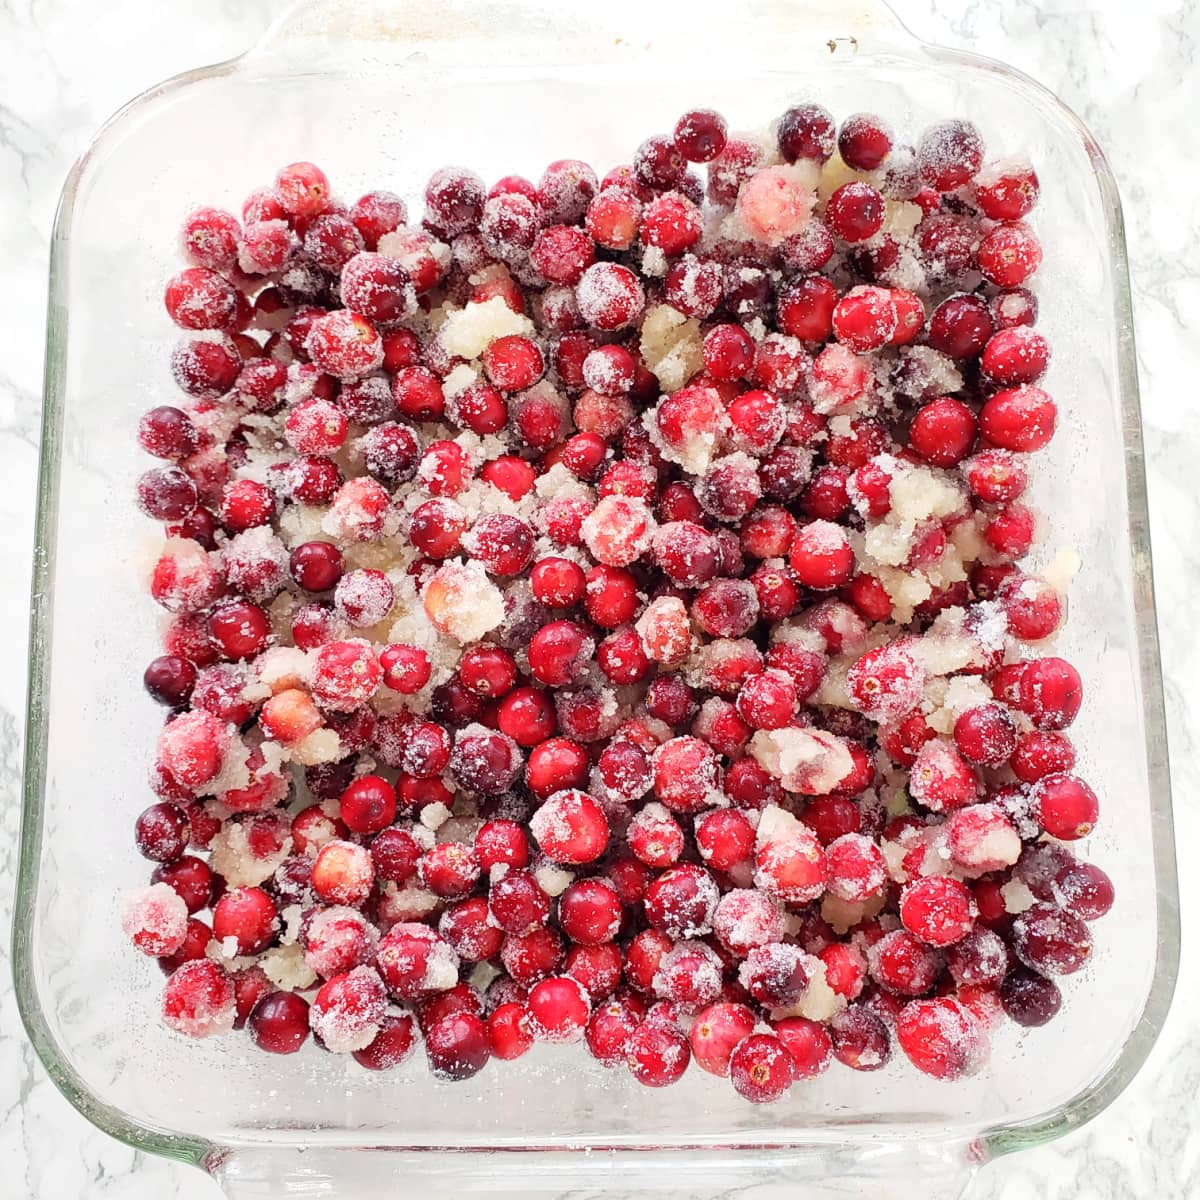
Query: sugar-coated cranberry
x=657, y=1054
x=760, y=1068
x=864, y=141
x=806, y=131
x=949, y=154
x=860, y=1039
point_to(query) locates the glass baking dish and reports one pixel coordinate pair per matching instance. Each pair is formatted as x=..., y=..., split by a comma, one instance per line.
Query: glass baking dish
x=381, y=93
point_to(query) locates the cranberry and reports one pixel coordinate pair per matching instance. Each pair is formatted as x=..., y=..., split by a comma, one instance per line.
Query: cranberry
x=316, y=566
x=949, y=154
x=170, y=679
x=855, y=212
x=1049, y=692
x=760, y=1068
x=860, y=1039
x=457, y=1046
x=864, y=141
x=941, y=1037
x=1050, y=940
x=570, y=828
x=820, y=556
x=1028, y=998
x=658, y=1054
x=1008, y=255
x=1066, y=807
x=806, y=131
x=162, y=833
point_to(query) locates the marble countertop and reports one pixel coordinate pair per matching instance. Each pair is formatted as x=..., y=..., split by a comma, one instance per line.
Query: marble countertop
x=1128, y=69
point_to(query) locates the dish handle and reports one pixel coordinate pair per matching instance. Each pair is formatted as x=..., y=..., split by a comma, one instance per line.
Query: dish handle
x=884, y=1171
x=775, y=32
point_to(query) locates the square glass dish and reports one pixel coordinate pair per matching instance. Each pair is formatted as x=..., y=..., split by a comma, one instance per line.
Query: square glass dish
x=381, y=93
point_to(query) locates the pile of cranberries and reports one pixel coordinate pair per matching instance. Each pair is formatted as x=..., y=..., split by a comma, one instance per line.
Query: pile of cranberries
x=594, y=614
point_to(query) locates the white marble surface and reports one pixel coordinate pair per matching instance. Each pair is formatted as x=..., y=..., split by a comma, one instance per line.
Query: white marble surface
x=1128, y=68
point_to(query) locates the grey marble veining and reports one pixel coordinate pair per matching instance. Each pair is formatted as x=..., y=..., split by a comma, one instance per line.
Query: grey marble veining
x=1129, y=70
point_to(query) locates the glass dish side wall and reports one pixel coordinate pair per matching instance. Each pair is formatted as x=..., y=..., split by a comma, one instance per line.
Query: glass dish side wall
x=92, y=1006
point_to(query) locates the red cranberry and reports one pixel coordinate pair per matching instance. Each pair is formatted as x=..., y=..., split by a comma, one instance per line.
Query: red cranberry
x=806, y=131
x=457, y=1046
x=658, y=1054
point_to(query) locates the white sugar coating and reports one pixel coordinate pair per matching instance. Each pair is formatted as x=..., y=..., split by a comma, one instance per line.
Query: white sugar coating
x=901, y=218
x=1009, y=164
x=465, y=603
x=469, y=331
x=1017, y=896
x=553, y=879
x=291, y=918
x=654, y=262
x=964, y=692
x=299, y=523
x=460, y=829
x=664, y=622
x=320, y=746
x=435, y=815
x=282, y=667
x=810, y=761
x=795, y=633
x=842, y=915
x=1062, y=568
x=286, y=969
x=234, y=773
x=441, y=968
x=894, y=854
x=155, y=918
x=671, y=346
x=822, y=537
x=411, y=902
x=482, y=975
x=835, y=173
x=819, y=1002
x=560, y=482
x=233, y=858
x=775, y=825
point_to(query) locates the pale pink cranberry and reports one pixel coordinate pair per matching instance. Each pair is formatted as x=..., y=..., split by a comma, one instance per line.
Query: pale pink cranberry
x=155, y=919
x=343, y=873
x=198, y=1000
x=774, y=205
